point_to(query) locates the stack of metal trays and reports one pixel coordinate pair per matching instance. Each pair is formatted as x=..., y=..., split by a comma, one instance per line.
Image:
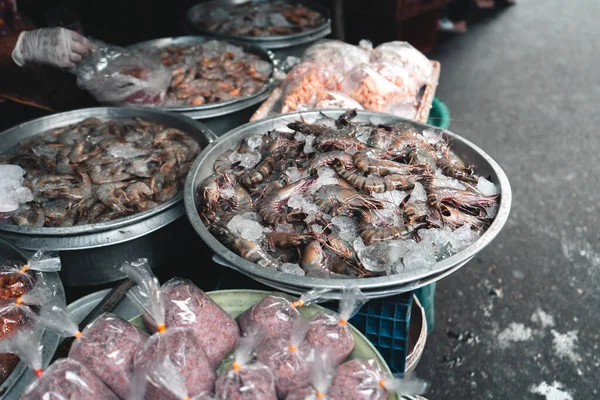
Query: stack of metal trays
x=374, y=287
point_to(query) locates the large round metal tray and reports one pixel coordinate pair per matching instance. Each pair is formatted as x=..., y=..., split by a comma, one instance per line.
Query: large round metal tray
x=270, y=42
x=229, y=105
x=13, y=386
x=234, y=302
x=12, y=137
x=372, y=287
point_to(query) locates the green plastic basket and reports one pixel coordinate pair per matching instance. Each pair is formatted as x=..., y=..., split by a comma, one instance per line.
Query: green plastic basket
x=439, y=115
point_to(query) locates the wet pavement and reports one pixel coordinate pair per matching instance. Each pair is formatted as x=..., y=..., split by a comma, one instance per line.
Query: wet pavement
x=521, y=320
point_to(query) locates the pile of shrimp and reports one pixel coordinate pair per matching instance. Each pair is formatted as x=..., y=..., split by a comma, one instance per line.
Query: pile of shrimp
x=96, y=171
x=260, y=19
x=213, y=72
x=319, y=196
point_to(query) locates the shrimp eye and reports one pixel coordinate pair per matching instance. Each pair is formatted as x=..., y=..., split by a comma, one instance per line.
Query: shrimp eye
x=446, y=212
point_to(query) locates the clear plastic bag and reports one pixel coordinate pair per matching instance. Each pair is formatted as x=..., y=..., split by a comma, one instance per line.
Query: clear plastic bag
x=331, y=99
x=320, y=379
x=188, y=306
x=338, y=55
x=400, y=77
x=363, y=379
x=107, y=347
x=39, y=295
x=114, y=75
x=289, y=358
x=180, y=345
x=376, y=93
x=246, y=379
x=404, y=56
x=65, y=379
x=331, y=331
x=41, y=261
x=274, y=315
x=182, y=348
x=305, y=84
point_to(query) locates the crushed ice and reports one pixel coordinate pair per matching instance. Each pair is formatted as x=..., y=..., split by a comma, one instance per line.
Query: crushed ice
x=246, y=160
x=293, y=269
x=127, y=150
x=418, y=193
x=486, y=187
x=327, y=176
x=442, y=180
x=245, y=228
x=12, y=191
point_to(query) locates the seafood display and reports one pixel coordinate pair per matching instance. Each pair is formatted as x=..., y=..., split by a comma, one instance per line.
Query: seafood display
x=259, y=19
x=393, y=77
x=210, y=72
x=335, y=198
x=99, y=170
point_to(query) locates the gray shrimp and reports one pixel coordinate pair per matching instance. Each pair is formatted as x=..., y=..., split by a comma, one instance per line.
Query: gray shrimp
x=337, y=200
x=314, y=262
x=270, y=206
x=368, y=162
x=375, y=184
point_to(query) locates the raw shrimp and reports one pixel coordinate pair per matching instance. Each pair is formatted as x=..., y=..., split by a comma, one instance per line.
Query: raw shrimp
x=336, y=200
x=270, y=206
x=336, y=141
x=107, y=194
x=285, y=239
x=375, y=184
x=368, y=162
x=138, y=194
x=247, y=249
x=32, y=216
x=464, y=199
x=457, y=218
x=328, y=158
x=314, y=262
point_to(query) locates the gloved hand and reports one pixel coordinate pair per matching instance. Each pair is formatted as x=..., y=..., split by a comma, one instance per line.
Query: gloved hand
x=58, y=47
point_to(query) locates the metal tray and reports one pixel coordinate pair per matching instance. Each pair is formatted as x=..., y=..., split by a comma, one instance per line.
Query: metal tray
x=219, y=108
x=373, y=287
x=12, y=137
x=13, y=386
x=234, y=302
x=270, y=42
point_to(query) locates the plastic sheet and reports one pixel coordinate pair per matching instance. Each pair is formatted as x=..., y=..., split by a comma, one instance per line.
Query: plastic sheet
x=289, y=358
x=114, y=75
x=331, y=331
x=246, y=379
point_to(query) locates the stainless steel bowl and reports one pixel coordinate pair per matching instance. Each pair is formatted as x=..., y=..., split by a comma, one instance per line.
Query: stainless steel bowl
x=282, y=46
x=13, y=386
x=224, y=109
x=372, y=287
x=89, y=253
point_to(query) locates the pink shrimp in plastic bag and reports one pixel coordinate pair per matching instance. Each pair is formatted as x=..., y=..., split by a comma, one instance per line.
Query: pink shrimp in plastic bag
x=321, y=375
x=115, y=75
x=186, y=305
x=305, y=83
x=404, y=56
x=274, y=315
x=106, y=347
x=17, y=278
x=246, y=379
x=331, y=99
x=65, y=379
x=376, y=93
x=289, y=358
x=363, y=379
x=180, y=345
x=331, y=331
x=338, y=55
x=399, y=77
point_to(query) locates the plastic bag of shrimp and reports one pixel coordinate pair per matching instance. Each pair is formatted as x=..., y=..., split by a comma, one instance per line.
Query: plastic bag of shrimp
x=339, y=55
x=376, y=93
x=305, y=85
x=114, y=75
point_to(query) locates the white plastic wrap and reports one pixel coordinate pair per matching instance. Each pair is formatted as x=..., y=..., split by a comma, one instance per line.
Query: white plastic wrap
x=405, y=56
x=114, y=75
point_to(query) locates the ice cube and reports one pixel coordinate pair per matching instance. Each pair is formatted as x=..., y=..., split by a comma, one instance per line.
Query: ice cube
x=392, y=199
x=464, y=237
x=232, y=225
x=420, y=257
x=293, y=269
x=277, y=19
x=418, y=193
x=433, y=136
x=486, y=187
x=22, y=195
x=381, y=256
x=254, y=141
x=125, y=151
x=442, y=180
x=12, y=191
x=347, y=228
x=246, y=160
x=251, y=216
x=287, y=228
x=227, y=191
x=294, y=174
x=358, y=244
x=492, y=210
x=8, y=171
x=250, y=230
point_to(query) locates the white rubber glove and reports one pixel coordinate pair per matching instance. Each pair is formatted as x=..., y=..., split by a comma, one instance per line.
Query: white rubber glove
x=58, y=47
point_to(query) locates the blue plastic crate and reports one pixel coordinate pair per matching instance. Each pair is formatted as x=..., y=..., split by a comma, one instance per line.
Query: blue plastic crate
x=386, y=322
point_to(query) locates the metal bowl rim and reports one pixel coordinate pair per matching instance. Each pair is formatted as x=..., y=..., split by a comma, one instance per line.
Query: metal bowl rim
x=307, y=283
x=120, y=222
x=265, y=54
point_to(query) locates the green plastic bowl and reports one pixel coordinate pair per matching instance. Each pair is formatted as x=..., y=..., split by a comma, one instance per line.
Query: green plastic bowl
x=439, y=115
